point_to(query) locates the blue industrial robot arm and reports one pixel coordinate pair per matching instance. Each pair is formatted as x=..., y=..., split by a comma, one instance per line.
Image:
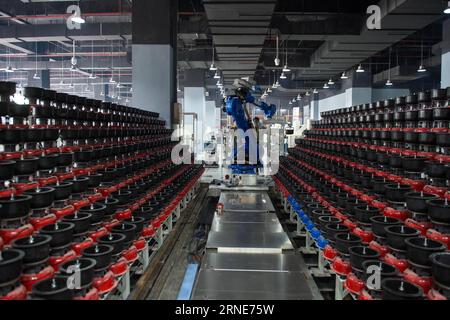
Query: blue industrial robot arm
x=235, y=108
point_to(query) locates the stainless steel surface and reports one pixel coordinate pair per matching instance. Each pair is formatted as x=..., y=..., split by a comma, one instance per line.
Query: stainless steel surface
x=255, y=285
x=251, y=262
x=249, y=256
x=247, y=227
x=246, y=217
x=250, y=242
x=246, y=201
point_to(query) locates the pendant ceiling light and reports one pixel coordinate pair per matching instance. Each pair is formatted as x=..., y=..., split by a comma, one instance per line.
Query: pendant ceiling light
x=286, y=68
x=325, y=86
x=330, y=82
x=277, y=58
x=447, y=10
x=360, y=69
x=216, y=75
x=389, y=82
x=283, y=76
x=344, y=76
x=213, y=67
x=421, y=67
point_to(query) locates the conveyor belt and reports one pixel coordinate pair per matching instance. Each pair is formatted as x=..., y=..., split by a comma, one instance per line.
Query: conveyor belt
x=249, y=256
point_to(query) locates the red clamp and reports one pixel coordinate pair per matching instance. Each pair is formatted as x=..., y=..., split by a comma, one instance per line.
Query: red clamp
x=81, y=203
x=353, y=284
x=422, y=227
x=423, y=282
x=95, y=197
x=124, y=214
x=46, y=181
x=382, y=250
x=21, y=187
x=366, y=236
x=62, y=212
x=437, y=236
x=397, y=214
x=7, y=193
x=64, y=176
x=435, y=190
x=416, y=185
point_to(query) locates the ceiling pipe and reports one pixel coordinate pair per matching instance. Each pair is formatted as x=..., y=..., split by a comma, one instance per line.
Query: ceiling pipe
x=68, y=54
x=65, y=15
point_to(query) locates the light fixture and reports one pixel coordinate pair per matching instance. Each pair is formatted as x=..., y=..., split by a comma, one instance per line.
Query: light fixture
x=36, y=77
x=71, y=85
x=73, y=68
x=325, y=86
x=299, y=97
x=212, y=67
x=421, y=69
x=111, y=80
x=131, y=89
x=277, y=83
x=286, y=69
x=447, y=10
x=389, y=83
x=9, y=69
x=269, y=90
x=77, y=18
x=344, y=76
x=277, y=60
x=283, y=76
x=92, y=76
x=290, y=102
x=331, y=82
x=218, y=83
x=315, y=91
x=360, y=69
x=307, y=93
x=102, y=94
x=216, y=75
x=119, y=86
x=294, y=100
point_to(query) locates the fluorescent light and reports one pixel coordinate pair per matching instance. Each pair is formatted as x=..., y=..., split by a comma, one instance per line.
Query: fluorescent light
x=283, y=76
x=360, y=69
x=389, y=83
x=78, y=19
x=344, y=76
x=447, y=10
x=421, y=69
x=213, y=67
x=331, y=82
x=286, y=69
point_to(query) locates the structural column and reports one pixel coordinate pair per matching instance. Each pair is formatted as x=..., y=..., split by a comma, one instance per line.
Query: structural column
x=154, y=56
x=195, y=103
x=445, y=64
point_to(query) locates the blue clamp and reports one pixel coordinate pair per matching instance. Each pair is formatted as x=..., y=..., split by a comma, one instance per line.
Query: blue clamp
x=321, y=242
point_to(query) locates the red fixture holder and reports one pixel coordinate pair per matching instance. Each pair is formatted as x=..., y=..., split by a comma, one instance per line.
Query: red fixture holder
x=341, y=267
x=9, y=235
x=148, y=232
x=19, y=293
x=91, y=295
x=55, y=262
x=424, y=282
x=62, y=212
x=400, y=264
x=119, y=268
x=79, y=247
x=382, y=250
x=39, y=222
x=94, y=235
x=106, y=283
x=435, y=295
x=353, y=284
x=440, y=237
x=365, y=235
x=421, y=226
x=28, y=280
